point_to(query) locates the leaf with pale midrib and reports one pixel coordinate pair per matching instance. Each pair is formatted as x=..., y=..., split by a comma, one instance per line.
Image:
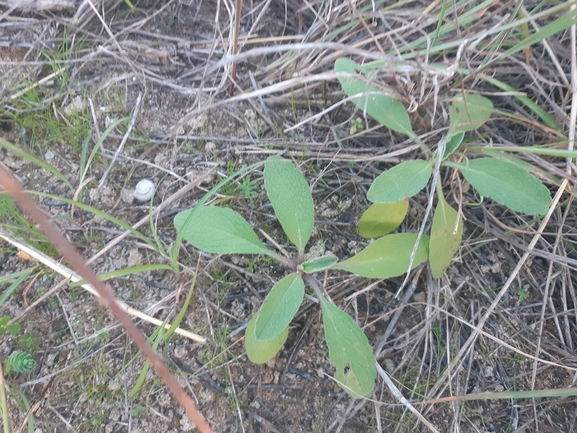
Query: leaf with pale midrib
x=508, y=185
x=218, y=230
x=349, y=351
x=291, y=199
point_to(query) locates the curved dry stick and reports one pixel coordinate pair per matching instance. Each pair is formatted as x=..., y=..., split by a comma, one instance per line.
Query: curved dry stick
x=12, y=187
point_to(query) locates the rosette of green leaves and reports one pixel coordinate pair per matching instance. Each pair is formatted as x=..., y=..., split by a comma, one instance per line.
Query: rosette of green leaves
x=504, y=179
x=224, y=231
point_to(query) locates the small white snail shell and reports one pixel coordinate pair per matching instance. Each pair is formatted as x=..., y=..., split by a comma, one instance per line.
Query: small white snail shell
x=144, y=190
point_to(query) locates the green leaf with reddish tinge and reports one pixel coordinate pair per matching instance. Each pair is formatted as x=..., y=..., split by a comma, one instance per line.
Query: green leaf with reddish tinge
x=387, y=257
x=349, y=351
x=372, y=100
x=507, y=184
x=403, y=180
x=279, y=307
x=259, y=351
x=291, y=199
x=218, y=230
x=469, y=113
x=382, y=218
x=446, y=235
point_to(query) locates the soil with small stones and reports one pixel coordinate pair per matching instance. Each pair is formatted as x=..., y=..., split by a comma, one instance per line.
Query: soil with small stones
x=86, y=364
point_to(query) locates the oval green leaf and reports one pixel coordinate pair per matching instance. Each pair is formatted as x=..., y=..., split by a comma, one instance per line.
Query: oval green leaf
x=508, y=184
x=13, y=329
x=218, y=230
x=259, y=351
x=382, y=218
x=401, y=181
x=469, y=113
x=279, y=307
x=291, y=199
x=318, y=264
x=387, y=257
x=453, y=143
x=444, y=238
x=387, y=110
x=349, y=351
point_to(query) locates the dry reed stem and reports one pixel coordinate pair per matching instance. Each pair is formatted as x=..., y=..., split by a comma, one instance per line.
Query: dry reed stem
x=70, y=275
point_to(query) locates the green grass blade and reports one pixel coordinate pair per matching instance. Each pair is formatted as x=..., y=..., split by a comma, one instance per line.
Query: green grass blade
x=124, y=272
x=19, y=279
x=565, y=21
x=541, y=393
x=157, y=335
x=535, y=108
x=99, y=213
x=33, y=159
x=96, y=148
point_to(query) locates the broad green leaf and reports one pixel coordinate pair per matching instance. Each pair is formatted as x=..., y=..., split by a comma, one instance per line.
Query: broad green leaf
x=219, y=230
x=382, y=218
x=258, y=351
x=13, y=329
x=279, y=307
x=387, y=110
x=508, y=185
x=469, y=113
x=318, y=264
x=4, y=320
x=387, y=257
x=349, y=351
x=453, y=142
x=291, y=199
x=401, y=181
x=444, y=239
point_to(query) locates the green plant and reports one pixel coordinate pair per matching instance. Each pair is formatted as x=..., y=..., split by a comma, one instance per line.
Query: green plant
x=505, y=179
x=248, y=188
x=523, y=293
x=12, y=328
x=224, y=231
x=19, y=362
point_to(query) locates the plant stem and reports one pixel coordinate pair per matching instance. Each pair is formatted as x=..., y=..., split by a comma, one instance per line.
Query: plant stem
x=314, y=284
x=3, y=402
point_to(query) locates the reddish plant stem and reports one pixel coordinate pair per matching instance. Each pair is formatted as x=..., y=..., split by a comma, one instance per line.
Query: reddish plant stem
x=12, y=187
